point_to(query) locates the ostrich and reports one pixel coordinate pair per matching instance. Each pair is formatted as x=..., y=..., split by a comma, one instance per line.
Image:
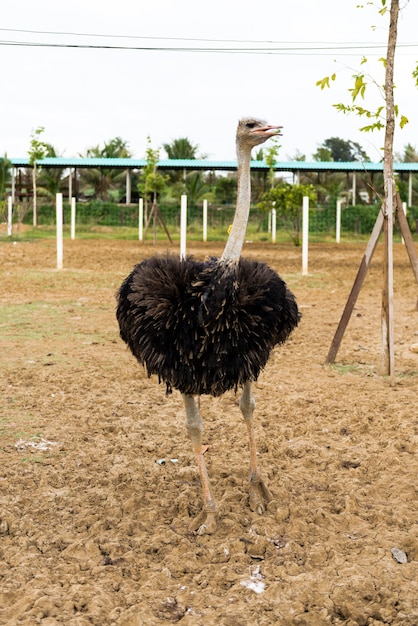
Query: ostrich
x=205, y=327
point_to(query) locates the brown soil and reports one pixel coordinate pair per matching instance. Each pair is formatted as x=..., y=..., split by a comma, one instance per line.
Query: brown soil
x=94, y=530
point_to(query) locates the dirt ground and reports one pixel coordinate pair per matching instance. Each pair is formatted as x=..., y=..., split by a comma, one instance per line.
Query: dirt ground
x=98, y=483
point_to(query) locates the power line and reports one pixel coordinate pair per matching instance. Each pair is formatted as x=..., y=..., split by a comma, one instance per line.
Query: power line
x=198, y=39
x=262, y=47
x=301, y=50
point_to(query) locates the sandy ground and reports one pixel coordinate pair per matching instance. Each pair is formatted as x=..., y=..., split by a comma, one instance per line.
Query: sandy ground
x=94, y=524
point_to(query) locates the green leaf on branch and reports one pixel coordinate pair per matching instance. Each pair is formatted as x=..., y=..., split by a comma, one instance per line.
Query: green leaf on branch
x=371, y=127
x=404, y=121
x=343, y=108
x=324, y=82
x=415, y=76
x=359, y=87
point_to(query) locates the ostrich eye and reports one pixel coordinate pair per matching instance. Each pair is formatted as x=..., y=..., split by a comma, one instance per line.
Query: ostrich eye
x=251, y=125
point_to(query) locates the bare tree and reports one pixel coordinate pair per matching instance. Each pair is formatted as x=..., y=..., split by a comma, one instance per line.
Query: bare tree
x=382, y=118
x=390, y=198
x=37, y=151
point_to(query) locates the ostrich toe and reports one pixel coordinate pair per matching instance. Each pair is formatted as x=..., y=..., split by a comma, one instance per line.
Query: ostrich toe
x=260, y=496
x=205, y=523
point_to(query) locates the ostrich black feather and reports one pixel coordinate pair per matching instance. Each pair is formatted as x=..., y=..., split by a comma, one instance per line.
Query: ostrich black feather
x=204, y=327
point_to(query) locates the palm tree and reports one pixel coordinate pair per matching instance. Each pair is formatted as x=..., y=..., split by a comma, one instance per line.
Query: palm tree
x=4, y=175
x=50, y=179
x=196, y=188
x=194, y=184
x=181, y=148
x=410, y=154
x=106, y=179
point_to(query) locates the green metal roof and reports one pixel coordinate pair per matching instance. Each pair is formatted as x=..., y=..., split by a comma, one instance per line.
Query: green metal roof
x=205, y=164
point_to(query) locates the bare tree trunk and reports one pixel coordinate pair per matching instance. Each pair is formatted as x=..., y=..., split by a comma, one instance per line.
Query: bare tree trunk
x=390, y=190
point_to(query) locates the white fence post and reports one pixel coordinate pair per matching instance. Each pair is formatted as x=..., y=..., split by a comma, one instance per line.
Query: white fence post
x=305, y=234
x=338, y=223
x=59, y=231
x=73, y=218
x=183, y=226
x=273, y=225
x=9, y=216
x=205, y=220
x=141, y=219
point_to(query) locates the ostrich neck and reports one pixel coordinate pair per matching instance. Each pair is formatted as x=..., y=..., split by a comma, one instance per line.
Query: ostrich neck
x=236, y=237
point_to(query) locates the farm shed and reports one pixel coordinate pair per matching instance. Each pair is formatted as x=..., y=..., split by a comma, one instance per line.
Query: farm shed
x=296, y=168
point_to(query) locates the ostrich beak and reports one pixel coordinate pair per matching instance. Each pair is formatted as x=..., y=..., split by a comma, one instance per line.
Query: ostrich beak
x=269, y=131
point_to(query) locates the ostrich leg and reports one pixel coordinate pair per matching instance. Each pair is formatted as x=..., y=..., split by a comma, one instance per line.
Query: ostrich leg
x=260, y=495
x=206, y=520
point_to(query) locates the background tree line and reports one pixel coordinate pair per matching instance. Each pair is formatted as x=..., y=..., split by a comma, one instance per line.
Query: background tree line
x=269, y=189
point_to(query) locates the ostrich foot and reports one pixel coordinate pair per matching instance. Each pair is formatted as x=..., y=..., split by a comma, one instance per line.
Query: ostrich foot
x=205, y=523
x=260, y=495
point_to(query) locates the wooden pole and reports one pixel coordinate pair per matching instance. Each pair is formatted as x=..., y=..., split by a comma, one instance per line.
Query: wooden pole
x=405, y=210
x=385, y=219
x=352, y=298
x=413, y=257
x=388, y=366
x=387, y=322
x=155, y=213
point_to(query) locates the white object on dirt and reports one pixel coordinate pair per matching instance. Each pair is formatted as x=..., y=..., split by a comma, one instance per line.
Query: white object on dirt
x=37, y=443
x=399, y=555
x=255, y=583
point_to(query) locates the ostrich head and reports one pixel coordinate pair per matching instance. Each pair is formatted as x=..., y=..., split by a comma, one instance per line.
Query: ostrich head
x=251, y=132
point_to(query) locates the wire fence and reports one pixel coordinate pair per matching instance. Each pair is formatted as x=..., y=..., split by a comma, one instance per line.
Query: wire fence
x=357, y=219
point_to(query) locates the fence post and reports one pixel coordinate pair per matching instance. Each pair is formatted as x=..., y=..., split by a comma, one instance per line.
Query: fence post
x=59, y=218
x=183, y=226
x=141, y=219
x=273, y=225
x=9, y=216
x=305, y=234
x=205, y=220
x=338, y=223
x=72, y=218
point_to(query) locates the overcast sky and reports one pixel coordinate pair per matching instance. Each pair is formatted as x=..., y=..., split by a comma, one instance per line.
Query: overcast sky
x=84, y=96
